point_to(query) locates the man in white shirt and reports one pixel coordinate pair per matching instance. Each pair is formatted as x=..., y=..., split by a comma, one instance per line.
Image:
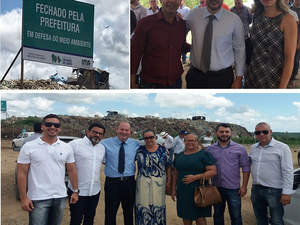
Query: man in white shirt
x=41, y=168
x=227, y=48
x=168, y=142
x=154, y=8
x=272, y=173
x=88, y=154
x=178, y=142
x=183, y=10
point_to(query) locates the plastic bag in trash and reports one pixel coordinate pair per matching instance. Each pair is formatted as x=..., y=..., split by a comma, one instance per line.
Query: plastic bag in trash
x=58, y=79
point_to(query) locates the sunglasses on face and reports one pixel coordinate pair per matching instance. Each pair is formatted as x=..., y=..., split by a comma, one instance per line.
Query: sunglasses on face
x=259, y=132
x=49, y=124
x=149, y=138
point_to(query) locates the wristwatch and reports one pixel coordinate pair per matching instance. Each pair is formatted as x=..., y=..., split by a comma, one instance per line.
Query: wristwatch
x=76, y=191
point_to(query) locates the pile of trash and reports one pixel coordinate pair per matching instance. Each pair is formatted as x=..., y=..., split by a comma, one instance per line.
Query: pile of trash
x=37, y=85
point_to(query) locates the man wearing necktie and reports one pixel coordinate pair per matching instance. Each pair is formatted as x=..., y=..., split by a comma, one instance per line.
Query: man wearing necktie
x=218, y=43
x=120, y=152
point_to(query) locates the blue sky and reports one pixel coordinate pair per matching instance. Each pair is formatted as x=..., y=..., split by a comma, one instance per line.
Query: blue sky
x=281, y=111
x=8, y=5
x=111, y=52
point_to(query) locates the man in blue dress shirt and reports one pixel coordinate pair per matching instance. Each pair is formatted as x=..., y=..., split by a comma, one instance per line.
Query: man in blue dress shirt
x=120, y=186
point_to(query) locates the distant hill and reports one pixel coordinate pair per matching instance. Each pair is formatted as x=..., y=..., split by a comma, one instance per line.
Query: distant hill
x=73, y=125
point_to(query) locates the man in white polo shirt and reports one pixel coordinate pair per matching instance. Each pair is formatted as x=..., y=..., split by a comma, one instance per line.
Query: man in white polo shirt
x=41, y=168
x=88, y=154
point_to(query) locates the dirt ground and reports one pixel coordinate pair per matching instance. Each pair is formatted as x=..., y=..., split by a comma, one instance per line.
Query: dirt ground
x=12, y=214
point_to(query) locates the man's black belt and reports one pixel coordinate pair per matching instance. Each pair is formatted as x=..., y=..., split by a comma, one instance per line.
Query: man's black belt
x=258, y=185
x=212, y=73
x=121, y=178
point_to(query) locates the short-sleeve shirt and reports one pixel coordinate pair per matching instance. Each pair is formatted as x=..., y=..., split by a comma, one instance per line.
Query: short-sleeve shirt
x=206, y=141
x=46, y=175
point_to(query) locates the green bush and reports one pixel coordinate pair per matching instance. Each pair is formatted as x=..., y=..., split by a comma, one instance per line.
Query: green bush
x=27, y=122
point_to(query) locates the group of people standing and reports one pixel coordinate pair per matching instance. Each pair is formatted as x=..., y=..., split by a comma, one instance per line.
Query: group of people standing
x=42, y=163
x=217, y=51
x=223, y=162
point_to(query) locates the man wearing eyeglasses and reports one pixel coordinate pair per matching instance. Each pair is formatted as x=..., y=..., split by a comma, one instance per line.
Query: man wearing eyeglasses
x=272, y=173
x=230, y=158
x=88, y=154
x=41, y=168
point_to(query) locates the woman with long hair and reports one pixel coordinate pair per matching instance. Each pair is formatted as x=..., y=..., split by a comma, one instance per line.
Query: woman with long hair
x=274, y=38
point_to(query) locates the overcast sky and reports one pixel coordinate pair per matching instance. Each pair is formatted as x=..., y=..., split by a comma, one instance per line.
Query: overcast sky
x=111, y=51
x=281, y=111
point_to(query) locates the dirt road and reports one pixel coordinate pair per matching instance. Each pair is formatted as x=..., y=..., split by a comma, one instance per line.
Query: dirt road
x=12, y=214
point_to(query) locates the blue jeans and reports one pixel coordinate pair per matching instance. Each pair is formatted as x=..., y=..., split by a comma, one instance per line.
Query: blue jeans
x=85, y=208
x=47, y=212
x=233, y=200
x=264, y=197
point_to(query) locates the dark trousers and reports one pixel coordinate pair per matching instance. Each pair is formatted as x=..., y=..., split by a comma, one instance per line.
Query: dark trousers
x=145, y=85
x=119, y=191
x=212, y=79
x=84, y=209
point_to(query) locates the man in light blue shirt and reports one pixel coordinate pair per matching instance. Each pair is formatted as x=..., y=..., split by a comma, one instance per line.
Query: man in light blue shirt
x=272, y=173
x=227, y=47
x=154, y=8
x=178, y=142
x=120, y=185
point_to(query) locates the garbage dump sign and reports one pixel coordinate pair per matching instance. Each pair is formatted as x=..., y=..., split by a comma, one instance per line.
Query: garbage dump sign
x=58, y=32
x=3, y=106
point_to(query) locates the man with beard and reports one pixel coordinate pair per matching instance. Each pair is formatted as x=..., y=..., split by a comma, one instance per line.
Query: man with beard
x=88, y=154
x=41, y=168
x=218, y=42
x=120, y=152
x=229, y=157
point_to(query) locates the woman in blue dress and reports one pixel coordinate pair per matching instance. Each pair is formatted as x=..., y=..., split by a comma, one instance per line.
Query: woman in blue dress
x=154, y=170
x=189, y=167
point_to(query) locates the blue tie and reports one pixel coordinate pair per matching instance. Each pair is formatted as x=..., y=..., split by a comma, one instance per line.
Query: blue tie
x=121, y=158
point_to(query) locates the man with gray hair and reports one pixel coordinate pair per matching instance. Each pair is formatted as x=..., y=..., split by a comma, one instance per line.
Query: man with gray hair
x=272, y=173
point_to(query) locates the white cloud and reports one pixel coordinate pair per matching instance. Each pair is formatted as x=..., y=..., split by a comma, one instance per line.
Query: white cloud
x=78, y=110
x=297, y=104
x=42, y=104
x=191, y=100
x=111, y=45
x=288, y=119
